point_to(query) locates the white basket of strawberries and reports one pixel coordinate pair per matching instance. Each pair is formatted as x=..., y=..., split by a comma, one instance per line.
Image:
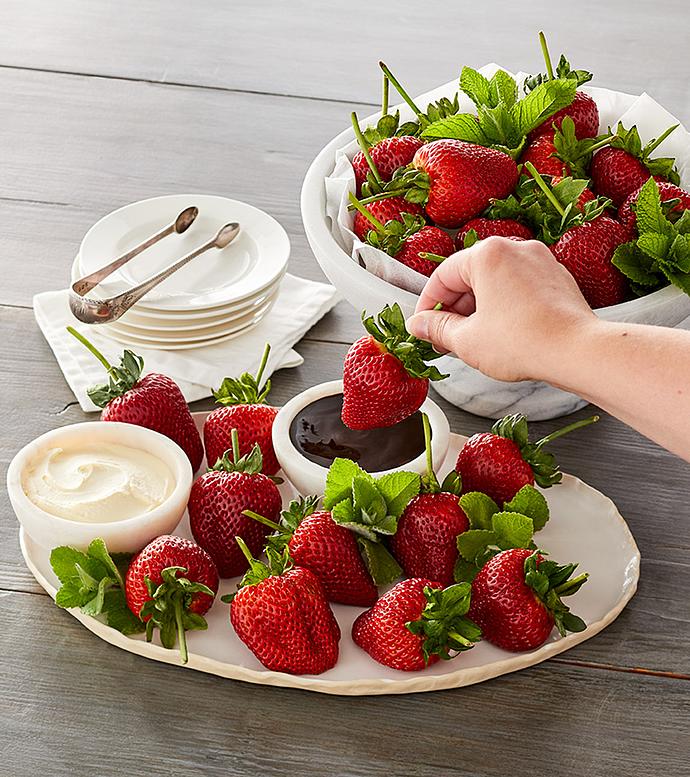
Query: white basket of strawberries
x=595, y=174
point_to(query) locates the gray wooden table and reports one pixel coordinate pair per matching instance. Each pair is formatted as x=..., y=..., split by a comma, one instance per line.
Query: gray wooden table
x=105, y=103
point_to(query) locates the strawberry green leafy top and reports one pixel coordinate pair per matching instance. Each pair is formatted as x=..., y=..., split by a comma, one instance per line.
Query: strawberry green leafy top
x=629, y=140
x=551, y=581
x=247, y=389
x=563, y=70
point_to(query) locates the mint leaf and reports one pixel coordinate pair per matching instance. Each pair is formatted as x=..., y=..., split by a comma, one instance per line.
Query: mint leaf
x=72, y=594
x=654, y=244
x=118, y=614
x=543, y=101
x=478, y=508
x=472, y=542
x=531, y=503
x=462, y=126
x=635, y=264
x=648, y=210
x=366, y=497
x=502, y=89
x=382, y=567
x=475, y=86
x=341, y=475
x=64, y=561
x=95, y=605
x=98, y=550
x=398, y=488
x=512, y=530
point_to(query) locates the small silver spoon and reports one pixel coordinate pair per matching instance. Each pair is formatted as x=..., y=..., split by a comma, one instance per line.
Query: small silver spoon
x=92, y=311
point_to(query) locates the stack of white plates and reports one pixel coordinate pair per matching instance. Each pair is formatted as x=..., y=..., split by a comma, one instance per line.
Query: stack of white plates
x=220, y=295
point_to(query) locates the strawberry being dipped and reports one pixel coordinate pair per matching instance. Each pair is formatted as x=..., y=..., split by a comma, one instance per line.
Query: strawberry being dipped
x=417, y=623
x=500, y=462
x=217, y=503
x=481, y=228
x=409, y=241
x=425, y=544
x=243, y=408
x=154, y=401
x=622, y=168
x=385, y=373
x=281, y=614
x=171, y=584
x=517, y=599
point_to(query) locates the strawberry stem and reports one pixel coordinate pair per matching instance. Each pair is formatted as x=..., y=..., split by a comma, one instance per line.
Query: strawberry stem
x=92, y=348
x=541, y=183
x=234, y=436
x=406, y=97
x=261, y=519
x=571, y=585
x=431, y=484
x=245, y=550
x=364, y=146
x=262, y=366
x=566, y=430
x=384, y=98
x=181, y=635
x=595, y=146
x=658, y=141
x=383, y=196
x=378, y=226
x=547, y=56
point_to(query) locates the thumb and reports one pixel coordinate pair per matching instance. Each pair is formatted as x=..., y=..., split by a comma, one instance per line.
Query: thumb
x=441, y=328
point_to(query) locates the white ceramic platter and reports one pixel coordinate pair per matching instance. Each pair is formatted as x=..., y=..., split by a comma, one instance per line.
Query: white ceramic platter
x=585, y=526
x=253, y=261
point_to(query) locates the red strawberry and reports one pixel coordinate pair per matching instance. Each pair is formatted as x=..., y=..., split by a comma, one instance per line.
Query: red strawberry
x=171, y=584
x=388, y=155
x=408, y=240
x=316, y=542
x=541, y=152
x=415, y=624
x=217, y=503
x=390, y=209
x=385, y=375
x=516, y=599
x=584, y=113
x=483, y=228
x=154, y=401
x=425, y=543
x=500, y=462
x=244, y=409
x=622, y=168
x=586, y=251
x=281, y=614
x=460, y=179
x=678, y=199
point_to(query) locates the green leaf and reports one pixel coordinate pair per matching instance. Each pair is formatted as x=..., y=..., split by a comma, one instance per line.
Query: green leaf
x=654, y=244
x=398, y=488
x=95, y=605
x=635, y=264
x=472, y=542
x=512, y=530
x=339, y=480
x=543, y=101
x=119, y=616
x=383, y=568
x=648, y=210
x=64, y=561
x=464, y=571
x=72, y=594
x=475, y=86
x=531, y=503
x=479, y=508
x=98, y=550
x=368, y=499
x=462, y=126
x=503, y=89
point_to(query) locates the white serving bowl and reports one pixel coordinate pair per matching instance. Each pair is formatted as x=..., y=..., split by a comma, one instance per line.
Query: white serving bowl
x=465, y=387
x=308, y=477
x=128, y=535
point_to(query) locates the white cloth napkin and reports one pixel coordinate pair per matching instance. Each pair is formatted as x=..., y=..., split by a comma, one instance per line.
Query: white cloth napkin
x=650, y=117
x=300, y=304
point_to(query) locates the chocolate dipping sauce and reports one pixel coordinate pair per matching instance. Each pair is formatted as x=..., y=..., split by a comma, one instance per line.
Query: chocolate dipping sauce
x=318, y=432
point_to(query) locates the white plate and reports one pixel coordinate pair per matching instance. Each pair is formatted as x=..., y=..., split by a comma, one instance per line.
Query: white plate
x=255, y=259
x=171, y=345
x=585, y=526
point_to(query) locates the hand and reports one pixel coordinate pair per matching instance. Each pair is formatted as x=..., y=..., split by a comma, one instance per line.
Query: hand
x=509, y=309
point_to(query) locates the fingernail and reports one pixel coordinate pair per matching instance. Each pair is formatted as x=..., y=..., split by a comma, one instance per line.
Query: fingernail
x=418, y=326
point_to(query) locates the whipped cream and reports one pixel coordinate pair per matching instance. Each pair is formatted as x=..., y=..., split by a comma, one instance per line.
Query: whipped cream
x=98, y=482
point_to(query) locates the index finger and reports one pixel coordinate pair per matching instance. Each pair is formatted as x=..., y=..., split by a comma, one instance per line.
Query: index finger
x=448, y=283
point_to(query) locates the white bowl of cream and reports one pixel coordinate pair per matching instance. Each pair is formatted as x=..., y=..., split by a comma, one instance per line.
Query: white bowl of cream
x=124, y=483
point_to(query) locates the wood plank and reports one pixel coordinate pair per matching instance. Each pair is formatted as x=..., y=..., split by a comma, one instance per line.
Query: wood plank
x=329, y=50
x=144, y=716
x=653, y=632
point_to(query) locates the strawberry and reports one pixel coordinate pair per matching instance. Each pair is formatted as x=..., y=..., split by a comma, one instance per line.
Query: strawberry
x=217, y=503
x=516, y=599
x=154, y=401
x=409, y=241
x=385, y=375
x=582, y=110
x=586, y=252
x=500, y=462
x=542, y=153
x=387, y=156
x=674, y=199
x=281, y=614
x=316, y=542
x=622, y=168
x=425, y=544
x=481, y=228
x=171, y=584
x=384, y=210
x=415, y=624
x=243, y=408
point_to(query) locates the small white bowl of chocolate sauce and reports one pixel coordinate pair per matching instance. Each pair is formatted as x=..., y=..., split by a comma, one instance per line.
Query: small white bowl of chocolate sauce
x=308, y=434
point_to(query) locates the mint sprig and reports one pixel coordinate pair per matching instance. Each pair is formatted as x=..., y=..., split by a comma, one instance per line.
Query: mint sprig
x=93, y=582
x=661, y=252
